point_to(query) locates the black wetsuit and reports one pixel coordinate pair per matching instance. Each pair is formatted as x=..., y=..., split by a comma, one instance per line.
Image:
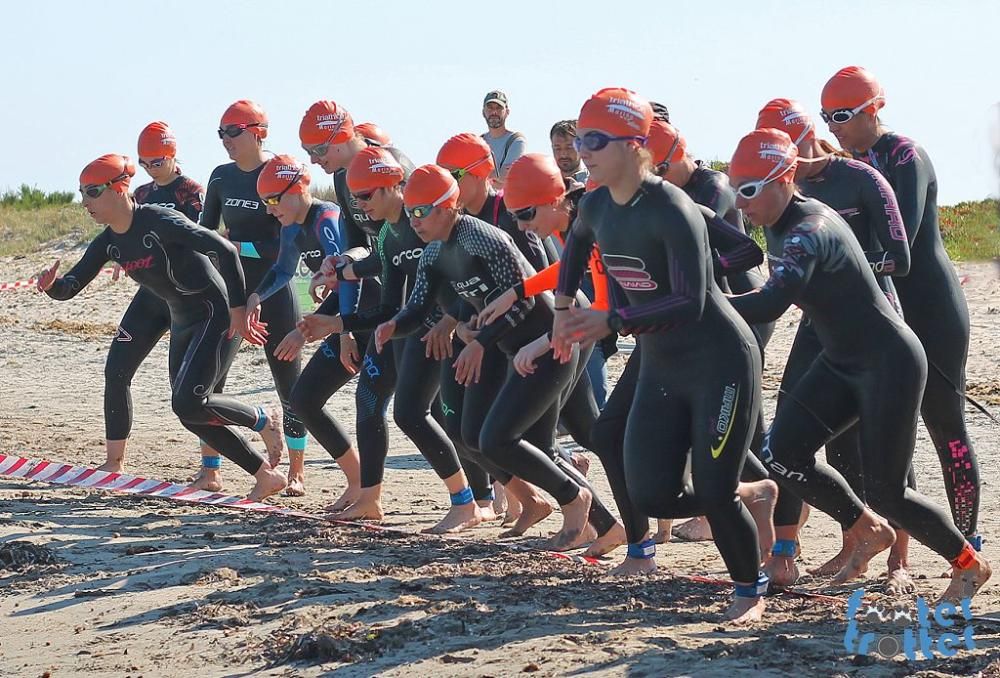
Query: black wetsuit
x=147, y=317
x=711, y=189
x=871, y=371
x=405, y=370
x=699, y=380
x=505, y=411
x=733, y=252
x=864, y=199
x=231, y=197
x=173, y=258
x=935, y=307
x=321, y=231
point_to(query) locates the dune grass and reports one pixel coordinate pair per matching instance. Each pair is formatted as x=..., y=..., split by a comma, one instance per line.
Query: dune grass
x=30, y=219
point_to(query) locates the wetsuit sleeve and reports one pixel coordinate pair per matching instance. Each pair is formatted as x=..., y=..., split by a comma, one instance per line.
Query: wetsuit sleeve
x=599, y=277
x=425, y=290
x=732, y=250
x=191, y=200
x=502, y=261
x=283, y=270
x=211, y=212
x=543, y=281
x=177, y=228
x=687, y=274
x=90, y=264
x=331, y=238
x=789, y=276
x=911, y=185
x=391, y=299
x=887, y=222
x=576, y=250
x=369, y=267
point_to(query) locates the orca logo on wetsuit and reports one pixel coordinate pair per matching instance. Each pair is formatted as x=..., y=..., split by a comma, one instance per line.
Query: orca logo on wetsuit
x=724, y=424
x=240, y=202
x=630, y=272
x=407, y=254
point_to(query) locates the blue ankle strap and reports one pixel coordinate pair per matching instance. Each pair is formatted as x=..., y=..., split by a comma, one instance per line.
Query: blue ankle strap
x=784, y=547
x=261, y=420
x=643, y=550
x=211, y=462
x=462, y=498
x=755, y=590
x=976, y=540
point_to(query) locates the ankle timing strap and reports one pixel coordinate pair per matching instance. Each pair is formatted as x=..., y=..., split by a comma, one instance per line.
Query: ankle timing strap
x=644, y=550
x=211, y=462
x=755, y=590
x=784, y=548
x=463, y=497
x=965, y=559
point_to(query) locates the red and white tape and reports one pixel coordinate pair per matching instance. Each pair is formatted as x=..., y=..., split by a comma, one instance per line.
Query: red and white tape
x=30, y=282
x=90, y=478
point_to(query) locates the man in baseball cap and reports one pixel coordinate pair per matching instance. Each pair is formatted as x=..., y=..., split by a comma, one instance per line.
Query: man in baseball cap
x=505, y=145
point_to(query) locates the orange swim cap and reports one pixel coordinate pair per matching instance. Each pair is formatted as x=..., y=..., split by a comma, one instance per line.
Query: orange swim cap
x=431, y=185
x=279, y=172
x=469, y=152
x=326, y=122
x=849, y=88
x=246, y=112
x=533, y=180
x=765, y=154
x=373, y=167
x=157, y=141
x=665, y=143
x=373, y=133
x=618, y=112
x=115, y=169
x=788, y=116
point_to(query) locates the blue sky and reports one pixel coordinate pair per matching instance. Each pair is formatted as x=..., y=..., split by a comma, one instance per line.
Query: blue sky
x=82, y=79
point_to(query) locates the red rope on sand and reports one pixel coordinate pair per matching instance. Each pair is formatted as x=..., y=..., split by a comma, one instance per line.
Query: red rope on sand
x=86, y=477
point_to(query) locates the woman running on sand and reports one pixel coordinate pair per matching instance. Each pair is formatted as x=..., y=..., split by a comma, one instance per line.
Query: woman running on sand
x=173, y=257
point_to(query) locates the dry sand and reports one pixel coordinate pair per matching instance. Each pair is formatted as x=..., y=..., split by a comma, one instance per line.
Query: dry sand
x=122, y=586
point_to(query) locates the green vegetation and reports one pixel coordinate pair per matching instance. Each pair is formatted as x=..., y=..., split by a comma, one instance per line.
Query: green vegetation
x=31, y=198
x=31, y=218
x=24, y=231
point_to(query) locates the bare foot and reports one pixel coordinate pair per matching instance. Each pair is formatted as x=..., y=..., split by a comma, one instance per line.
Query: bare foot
x=361, y=510
x=269, y=482
x=899, y=582
x=486, y=511
x=873, y=537
x=572, y=535
x=457, y=519
x=632, y=567
x=296, y=474
x=696, y=529
x=745, y=610
x=113, y=465
x=760, y=498
x=607, y=542
x=531, y=514
x=350, y=496
x=208, y=479
x=274, y=440
x=836, y=564
x=782, y=570
x=501, y=499
x=580, y=462
x=965, y=583
x=663, y=531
